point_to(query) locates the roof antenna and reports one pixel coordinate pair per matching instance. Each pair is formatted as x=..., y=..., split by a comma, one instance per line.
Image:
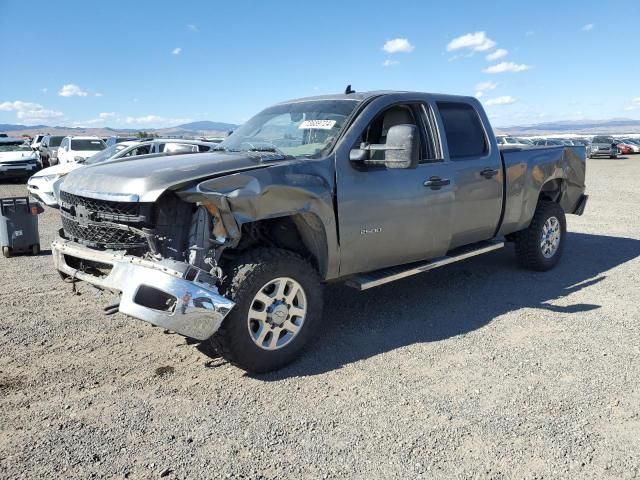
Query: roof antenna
x=349, y=90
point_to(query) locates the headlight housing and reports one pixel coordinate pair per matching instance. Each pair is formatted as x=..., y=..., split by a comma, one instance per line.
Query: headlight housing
x=49, y=178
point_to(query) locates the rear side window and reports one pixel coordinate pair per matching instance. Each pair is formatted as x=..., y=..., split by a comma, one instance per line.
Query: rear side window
x=464, y=131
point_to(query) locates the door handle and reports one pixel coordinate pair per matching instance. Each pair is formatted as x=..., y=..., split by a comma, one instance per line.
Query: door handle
x=489, y=173
x=434, y=183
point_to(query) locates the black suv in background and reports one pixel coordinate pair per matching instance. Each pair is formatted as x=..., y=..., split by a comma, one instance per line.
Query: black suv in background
x=49, y=150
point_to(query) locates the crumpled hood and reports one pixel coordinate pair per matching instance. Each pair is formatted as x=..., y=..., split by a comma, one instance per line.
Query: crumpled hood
x=144, y=179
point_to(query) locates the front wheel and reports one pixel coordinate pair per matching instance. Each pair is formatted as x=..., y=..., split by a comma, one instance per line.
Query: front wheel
x=540, y=246
x=278, y=308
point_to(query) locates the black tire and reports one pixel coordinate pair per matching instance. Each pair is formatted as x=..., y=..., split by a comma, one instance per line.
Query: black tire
x=6, y=252
x=528, y=242
x=245, y=277
x=35, y=249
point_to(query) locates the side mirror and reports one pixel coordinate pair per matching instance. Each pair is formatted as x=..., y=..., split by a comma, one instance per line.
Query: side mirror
x=402, y=149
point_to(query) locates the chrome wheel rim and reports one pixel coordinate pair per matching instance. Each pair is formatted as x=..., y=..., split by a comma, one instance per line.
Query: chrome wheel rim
x=277, y=313
x=551, y=233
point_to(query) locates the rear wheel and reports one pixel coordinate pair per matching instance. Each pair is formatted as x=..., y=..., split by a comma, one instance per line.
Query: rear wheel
x=540, y=246
x=278, y=308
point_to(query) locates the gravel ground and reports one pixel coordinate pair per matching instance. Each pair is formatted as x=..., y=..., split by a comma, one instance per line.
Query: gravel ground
x=477, y=370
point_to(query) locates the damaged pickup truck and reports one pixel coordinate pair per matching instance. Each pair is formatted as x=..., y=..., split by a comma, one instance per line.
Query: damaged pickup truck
x=231, y=247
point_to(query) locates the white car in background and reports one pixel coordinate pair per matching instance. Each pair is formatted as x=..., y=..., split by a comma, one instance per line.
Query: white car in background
x=506, y=140
x=42, y=185
x=78, y=149
x=35, y=144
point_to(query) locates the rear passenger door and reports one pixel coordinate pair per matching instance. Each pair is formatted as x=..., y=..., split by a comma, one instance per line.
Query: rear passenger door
x=476, y=167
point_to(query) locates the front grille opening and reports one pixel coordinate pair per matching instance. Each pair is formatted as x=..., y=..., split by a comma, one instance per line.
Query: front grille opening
x=103, y=236
x=97, y=269
x=155, y=299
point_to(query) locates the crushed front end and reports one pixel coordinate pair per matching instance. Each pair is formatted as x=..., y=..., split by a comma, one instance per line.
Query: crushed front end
x=155, y=255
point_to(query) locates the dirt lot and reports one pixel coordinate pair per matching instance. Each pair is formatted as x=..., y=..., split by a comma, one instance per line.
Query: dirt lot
x=478, y=370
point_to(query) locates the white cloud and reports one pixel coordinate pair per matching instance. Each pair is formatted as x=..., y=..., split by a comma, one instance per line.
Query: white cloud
x=499, y=53
x=587, y=28
x=504, y=100
x=477, y=42
x=389, y=63
x=482, y=87
x=102, y=118
x=72, y=90
x=506, y=67
x=176, y=51
x=154, y=120
x=634, y=105
x=98, y=94
x=398, y=45
x=28, y=111
x=192, y=27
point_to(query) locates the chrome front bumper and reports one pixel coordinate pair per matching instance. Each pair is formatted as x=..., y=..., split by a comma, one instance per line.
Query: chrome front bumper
x=165, y=293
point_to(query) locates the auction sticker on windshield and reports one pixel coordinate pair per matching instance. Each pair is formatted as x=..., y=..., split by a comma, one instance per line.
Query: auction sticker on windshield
x=318, y=124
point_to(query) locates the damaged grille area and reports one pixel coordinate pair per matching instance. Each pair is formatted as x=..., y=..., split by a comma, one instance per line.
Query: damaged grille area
x=126, y=211
x=103, y=236
x=104, y=224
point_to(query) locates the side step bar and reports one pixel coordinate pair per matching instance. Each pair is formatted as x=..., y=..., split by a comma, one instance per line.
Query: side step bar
x=368, y=280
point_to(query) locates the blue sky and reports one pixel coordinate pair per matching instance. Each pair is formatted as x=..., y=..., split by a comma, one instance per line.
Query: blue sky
x=141, y=64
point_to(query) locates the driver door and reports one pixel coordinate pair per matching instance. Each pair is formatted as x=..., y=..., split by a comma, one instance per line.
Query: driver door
x=388, y=216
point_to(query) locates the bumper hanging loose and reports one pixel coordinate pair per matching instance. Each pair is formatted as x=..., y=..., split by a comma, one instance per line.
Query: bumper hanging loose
x=169, y=294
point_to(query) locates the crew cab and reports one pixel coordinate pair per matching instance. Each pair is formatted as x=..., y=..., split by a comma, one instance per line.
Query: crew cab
x=232, y=247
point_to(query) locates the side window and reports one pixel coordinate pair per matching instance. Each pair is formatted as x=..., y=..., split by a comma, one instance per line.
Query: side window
x=203, y=148
x=180, y=148
x=376, y=132
x=464, y=131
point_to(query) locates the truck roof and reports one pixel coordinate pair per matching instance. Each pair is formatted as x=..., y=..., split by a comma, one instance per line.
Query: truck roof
x=359, y=96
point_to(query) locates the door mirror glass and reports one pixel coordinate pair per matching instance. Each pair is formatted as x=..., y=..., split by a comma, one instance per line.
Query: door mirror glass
x=401, y=150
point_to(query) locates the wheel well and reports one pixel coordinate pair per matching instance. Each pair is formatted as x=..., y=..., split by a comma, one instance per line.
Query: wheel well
x=302, y=233
x=552, y=190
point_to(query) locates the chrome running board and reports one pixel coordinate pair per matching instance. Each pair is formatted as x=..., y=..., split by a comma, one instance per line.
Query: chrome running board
x=364, y=281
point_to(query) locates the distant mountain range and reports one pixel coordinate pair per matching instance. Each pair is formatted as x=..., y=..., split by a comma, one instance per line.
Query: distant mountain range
x=205, y=128
x=586, y=127
x=209, y=128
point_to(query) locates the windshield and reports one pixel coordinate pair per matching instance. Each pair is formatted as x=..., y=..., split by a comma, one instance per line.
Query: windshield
x=84, y=145
x=105, y=154
x=15, y=147
x=304, y=129
x=55, y=141
x=608, y=140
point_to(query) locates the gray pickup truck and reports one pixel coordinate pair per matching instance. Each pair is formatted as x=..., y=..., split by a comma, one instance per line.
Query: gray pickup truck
x=232, y=247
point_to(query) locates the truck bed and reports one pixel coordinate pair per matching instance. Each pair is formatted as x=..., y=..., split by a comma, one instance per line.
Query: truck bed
x=527, y=169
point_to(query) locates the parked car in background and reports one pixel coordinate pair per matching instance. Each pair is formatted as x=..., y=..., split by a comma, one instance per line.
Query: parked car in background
x=35, y=143
x=623, y=148
x=78, y=149
x=505, y=140
x=603, y=145
x=581, y=141
x=526, y=141
x=110, y=141
x=628, y=146
x=49, y=150
x=548, y=142
x=41, y=185
x=17, y=158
